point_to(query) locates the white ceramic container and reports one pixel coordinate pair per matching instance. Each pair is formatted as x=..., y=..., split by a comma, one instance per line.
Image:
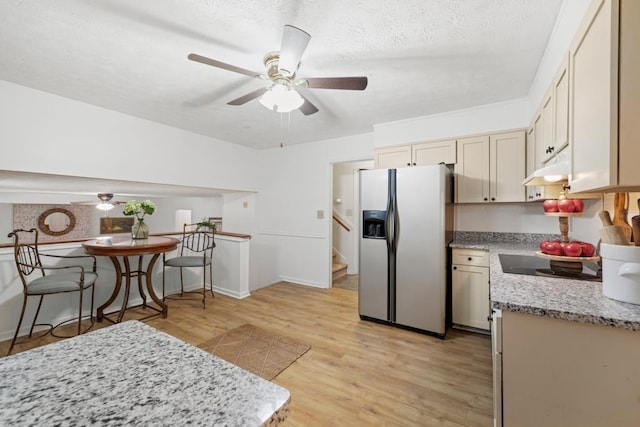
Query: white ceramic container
x=621, y=272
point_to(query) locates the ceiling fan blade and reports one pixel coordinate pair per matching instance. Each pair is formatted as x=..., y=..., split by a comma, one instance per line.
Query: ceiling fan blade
x=248, y=97
x=85, y=203
x=214, y=63
x=345, y=83
x=307, y=108
x=294, y=43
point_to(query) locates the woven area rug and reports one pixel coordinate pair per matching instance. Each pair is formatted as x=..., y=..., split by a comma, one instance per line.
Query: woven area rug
x=264, y=353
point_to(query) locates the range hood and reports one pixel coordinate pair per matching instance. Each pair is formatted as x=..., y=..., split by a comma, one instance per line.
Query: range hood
x=555, y=171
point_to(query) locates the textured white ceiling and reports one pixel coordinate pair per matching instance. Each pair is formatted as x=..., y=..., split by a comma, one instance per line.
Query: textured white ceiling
x=421, y=57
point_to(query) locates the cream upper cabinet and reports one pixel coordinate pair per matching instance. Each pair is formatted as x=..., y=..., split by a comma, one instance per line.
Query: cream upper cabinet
x=432, y=153
x=491, y=168
x=561, y=107
x=533, y=193
x=392, y=157
x=551, y=121
x=604, y=106
x=507, y=167
x=540, y=147
x=472, y=170
x=426, y=153
x=546, y=149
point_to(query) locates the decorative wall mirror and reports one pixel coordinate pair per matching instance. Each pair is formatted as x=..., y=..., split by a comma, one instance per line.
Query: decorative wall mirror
x=56, y=221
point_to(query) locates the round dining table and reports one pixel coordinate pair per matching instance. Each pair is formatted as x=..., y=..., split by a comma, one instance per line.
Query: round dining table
x=124, y=247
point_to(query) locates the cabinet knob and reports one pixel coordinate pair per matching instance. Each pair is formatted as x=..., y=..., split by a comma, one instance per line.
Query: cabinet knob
x=531, y=197
x=408, y=164
x=493, y=199
x=469, y=259
x=485, y=199
x=414, y=163
x=552, y=149
x=455, y=268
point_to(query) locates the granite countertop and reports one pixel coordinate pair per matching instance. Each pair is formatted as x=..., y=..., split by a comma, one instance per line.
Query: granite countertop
x=575, y=300
x=132, y=374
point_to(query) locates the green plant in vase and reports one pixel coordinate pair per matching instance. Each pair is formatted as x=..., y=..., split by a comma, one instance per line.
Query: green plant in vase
x=206, y=223
x=140, y=230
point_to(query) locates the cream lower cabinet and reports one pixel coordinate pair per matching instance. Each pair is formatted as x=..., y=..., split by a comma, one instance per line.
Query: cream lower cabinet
x=427, y=153
x=491, y=168
x=470, y=288
x=561, y=373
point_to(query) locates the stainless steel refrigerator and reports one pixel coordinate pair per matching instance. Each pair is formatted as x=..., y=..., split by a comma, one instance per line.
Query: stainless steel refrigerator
x=407, y=224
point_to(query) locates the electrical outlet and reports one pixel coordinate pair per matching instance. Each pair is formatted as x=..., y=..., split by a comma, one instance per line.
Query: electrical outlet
x=320, y=214
x=245, y=205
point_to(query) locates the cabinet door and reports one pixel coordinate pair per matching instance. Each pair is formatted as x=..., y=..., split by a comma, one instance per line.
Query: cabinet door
x=432, y=153
x=392, y=157
x=533, y=192
x=561, y=106
x=507, y=167
x=472, y=170
x=593, y=105
x=541, y=148
x=470, y=296
x=547, y=127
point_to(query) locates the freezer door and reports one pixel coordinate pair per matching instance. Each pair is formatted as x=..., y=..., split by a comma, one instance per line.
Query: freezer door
x=373, y=295
x=421, y=248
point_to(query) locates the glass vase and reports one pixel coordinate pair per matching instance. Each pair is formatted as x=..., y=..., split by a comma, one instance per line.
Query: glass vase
x=139, y=230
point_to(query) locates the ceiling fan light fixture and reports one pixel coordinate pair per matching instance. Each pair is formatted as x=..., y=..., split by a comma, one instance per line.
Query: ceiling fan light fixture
x=105, y=201
x=105, y=206
x=281, y=99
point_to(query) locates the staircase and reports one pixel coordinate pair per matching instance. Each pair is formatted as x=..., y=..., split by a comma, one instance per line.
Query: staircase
x=338, y=269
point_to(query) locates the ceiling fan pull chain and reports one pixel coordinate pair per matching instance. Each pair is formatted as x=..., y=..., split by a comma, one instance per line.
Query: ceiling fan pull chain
x=289, y=127
x=281, y=132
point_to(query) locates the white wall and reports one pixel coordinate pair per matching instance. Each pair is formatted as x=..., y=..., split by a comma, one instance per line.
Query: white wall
x=292, y=243
x=486, y=118
x=569, y=18
x=240, y=216
x=163, y=219
x=527, y=218
x=346, y=188
x=51, y=134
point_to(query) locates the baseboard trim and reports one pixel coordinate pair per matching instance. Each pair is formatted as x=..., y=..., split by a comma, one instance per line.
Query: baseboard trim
x=303, y=282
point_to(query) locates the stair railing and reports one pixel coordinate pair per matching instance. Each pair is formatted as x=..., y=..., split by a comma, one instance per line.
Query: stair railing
x=341, y=220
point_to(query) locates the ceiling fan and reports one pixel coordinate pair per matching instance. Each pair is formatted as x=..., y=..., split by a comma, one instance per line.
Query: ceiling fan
x=281, y=68
x=104, y=202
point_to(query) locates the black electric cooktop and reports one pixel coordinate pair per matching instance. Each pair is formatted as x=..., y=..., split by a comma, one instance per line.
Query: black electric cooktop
x=535, y=266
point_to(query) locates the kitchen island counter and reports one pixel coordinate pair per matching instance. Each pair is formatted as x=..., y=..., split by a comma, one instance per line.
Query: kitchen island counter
x=559, y=298
x=133, y=374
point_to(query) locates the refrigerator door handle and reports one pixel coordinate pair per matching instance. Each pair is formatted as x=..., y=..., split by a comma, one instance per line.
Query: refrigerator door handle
x=396, y=225
x=392, y=215
x=388, y=226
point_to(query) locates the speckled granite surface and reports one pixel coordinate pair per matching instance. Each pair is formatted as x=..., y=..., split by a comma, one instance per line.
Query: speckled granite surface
x=131, y=374
x=574, y=300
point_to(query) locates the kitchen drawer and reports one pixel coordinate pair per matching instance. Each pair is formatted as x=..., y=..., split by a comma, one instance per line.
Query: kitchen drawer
x=475, y=257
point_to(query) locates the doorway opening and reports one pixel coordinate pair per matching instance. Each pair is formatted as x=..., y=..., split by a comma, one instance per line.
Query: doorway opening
x=345, y=228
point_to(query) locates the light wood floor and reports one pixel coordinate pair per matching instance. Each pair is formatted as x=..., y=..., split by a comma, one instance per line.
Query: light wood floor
x=357, y=372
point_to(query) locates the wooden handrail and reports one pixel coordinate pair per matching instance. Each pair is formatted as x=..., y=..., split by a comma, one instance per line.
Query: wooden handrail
x=341, y=222
x=170, y=233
